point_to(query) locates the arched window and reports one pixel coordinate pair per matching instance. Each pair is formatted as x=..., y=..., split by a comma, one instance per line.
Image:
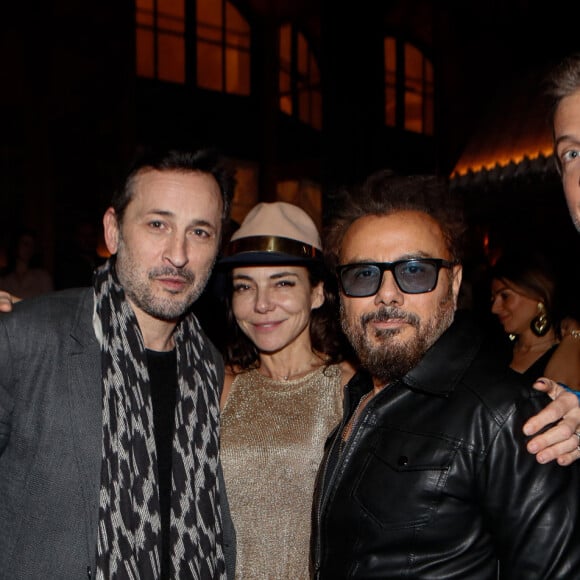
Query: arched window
x=299, y=77
x=222, y=44
x=160, y=39
x=223, y=47
x=409, y=102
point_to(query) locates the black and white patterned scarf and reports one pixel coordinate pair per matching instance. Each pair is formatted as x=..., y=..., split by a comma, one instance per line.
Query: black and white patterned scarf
x=129, y=537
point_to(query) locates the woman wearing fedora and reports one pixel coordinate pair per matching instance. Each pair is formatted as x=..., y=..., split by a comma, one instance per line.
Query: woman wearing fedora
x=283, y=394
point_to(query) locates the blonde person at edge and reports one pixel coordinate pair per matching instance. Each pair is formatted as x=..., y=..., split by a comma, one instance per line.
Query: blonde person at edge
x=283, y=393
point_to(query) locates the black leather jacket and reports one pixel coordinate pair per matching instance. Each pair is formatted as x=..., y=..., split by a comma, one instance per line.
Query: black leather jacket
x=435, y=481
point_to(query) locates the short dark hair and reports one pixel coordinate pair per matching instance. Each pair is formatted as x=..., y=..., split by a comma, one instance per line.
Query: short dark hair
x=563, y=81
x=202, y=160
x=385, y=193
x=326, y=335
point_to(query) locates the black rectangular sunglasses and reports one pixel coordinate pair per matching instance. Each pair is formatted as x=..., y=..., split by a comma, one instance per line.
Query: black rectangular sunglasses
x=414, y=276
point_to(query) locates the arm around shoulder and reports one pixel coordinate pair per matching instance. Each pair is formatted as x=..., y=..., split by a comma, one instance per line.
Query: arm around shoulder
x=524, y=500
x=564, y=364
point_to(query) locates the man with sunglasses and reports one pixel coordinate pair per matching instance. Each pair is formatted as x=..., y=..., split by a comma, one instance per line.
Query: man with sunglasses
x=428, y=475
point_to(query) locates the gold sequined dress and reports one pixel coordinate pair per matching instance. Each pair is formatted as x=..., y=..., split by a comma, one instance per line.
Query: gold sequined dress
x=272, y=439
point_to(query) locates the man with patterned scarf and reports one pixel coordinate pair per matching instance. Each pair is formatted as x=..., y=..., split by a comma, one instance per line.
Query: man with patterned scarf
x=109, y=397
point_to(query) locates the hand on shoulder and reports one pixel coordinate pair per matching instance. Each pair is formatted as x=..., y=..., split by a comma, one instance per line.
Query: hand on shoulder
x=7, y=300
x=560, y=441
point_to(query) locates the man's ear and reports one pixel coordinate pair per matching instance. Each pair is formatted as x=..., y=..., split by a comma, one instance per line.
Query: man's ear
x=111, y=230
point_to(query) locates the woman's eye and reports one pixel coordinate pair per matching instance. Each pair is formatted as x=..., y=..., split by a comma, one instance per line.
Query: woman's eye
x=285, y=283
x=240, y=287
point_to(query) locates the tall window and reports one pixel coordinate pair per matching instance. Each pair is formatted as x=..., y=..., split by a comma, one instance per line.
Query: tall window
x=223, y=47
x=222, y=44
x=160, y=41
x=408, y=87
x=299, y=77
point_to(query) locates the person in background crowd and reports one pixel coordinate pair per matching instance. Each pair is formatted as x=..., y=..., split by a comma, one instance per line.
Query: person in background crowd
x=416, y=481
x=524, y=299
x=109, y=397
x=78, y=259
x=24, y=276
x=283, y=392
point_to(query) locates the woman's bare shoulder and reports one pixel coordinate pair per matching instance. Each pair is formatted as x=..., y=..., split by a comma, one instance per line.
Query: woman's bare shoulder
x=230, y=374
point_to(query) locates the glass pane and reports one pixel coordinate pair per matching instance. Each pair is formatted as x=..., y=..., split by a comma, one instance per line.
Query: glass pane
x=413, y=64
x=209, y=33
x=237, y=72
x=413, y=112
x=238, y=39
x=144, y=12
x=285, y=49
x=144, y=48
x=286, y=104
x=209, y=66
x=209, y=12
x=171, y=15
x=246, y=191
x=173, y=8
x=171, y=58
x=144, y=19
x=390, y=56
x=302, y=52
x=209, y=21
x=238, y=30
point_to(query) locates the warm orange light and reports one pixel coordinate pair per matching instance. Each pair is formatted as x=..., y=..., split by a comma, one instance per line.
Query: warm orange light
x=500, y=159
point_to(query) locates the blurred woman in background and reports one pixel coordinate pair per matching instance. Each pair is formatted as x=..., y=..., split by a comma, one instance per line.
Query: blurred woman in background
x=524, y=299
x=24, y=275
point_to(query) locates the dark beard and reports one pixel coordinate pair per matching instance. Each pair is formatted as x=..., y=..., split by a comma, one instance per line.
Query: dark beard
x=389, y=360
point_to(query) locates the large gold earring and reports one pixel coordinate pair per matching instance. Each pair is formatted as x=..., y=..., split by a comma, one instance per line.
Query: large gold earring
x=541, y=323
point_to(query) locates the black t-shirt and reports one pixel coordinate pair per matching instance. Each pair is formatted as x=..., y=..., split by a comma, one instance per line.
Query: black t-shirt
x=163, y=380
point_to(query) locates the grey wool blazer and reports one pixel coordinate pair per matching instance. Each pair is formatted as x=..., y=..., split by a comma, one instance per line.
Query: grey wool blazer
x=50, y=440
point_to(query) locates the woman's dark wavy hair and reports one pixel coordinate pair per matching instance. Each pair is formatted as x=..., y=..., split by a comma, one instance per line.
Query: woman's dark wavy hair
x=385, y=193
x=325, y=332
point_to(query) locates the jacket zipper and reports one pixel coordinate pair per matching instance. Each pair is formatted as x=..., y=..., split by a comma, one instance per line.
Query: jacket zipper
x=322, y=497
x=339, y=461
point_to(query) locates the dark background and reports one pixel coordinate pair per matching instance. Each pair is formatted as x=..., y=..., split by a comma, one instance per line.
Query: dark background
x=74, y=110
